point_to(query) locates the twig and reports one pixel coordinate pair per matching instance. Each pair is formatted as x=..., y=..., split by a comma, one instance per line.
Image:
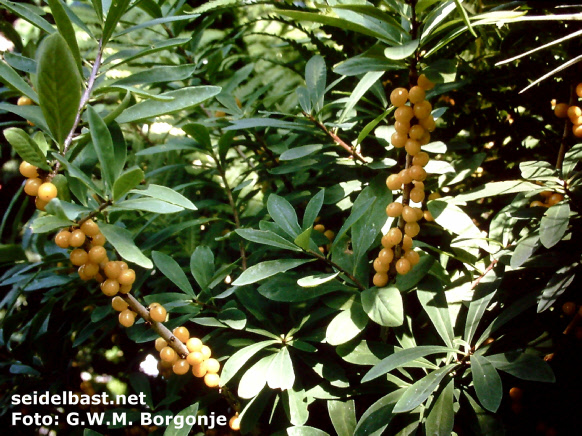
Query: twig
x=103, y=206
x=489, y=268
x=567, y=129
x=336, y=138
x=339, y=268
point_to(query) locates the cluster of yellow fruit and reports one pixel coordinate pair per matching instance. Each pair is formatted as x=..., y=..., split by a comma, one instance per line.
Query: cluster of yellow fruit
x=198, y=359
x=90, y=255
x=550, y=198
x=413, y=125
x=563, y=110
x=329, y=234
x=36, y=186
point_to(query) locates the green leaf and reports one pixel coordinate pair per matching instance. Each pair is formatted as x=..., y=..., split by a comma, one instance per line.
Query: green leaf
x=240, y=358
x=355, y=215
x=28, y=15
x=304, y=238
x=384, y=306
x=49, y=223
x=11, y=253
x=76, y=172
x=234, y=318
x=524, y=250
x=66, y=30
x=315, y=79
x=284, y=215
x=116, y=11
x=346, y=325
x=26, y=147
x=456, y=221
x=172, y=270
x=524, y=366
x=364, y=352
x=183, y=99
x=305, y=430
x=316, y=280
x=202, y=266
x=487, y=383
x=280, y=374
x=157, y=75
x=493, y=189
x=165, y=194
x=255, y=378
x=556, y=286
x=59, y=86
x=537, y=170
x=127, y=181
x=154, y=22
x=420, y=270
x=30, y=113
x=420, y=391
x=126, y=56
x=343, y=416
x=181, y=427
x=554, y=224
x=13, y=79
x=266, y=269
x=285, y=288
x=267, y=237
x=484, y=293
x=141, y=384
x=362, y=87
x=432, y=297
x=147, y=205
x=295, y=405
x=401, y=51
x=377, y=417
x=441, y=418
x=103, y=146
x=122, y=241
x=312, y=209
x=402, y=358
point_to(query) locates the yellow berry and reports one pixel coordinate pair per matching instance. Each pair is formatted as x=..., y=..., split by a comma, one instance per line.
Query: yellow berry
x=399, y=97
x=78, y=257
x=157, y=312
x=98, y=240
x=182, y=334
x=409, y=215
x=404, y=113
x=62, y=239
x=112, y=269
x=416, y=94
x=28, y=170
x=181, y=367
x=406, y=243
x=206, y=352
x=234, y=423
x=537, y=203
x=392, y=238
x=381, y=267
x=403, y=266
x=428, y=123
x=91, y=269
x=329, y=234
x=416, y=131
x=126, y=318
x=386, y=255
x=394, y=209
x=428, y=216
x=398, y=140
x=77, y=238
x=47, y=191
x=118, y=304
x=555, y=199
x=211, y=380
x=412, y=256
x=577, y=130
x=411, y=229
x=126, y=277
x=417, y=195
x=425, y=138
x=380, y=279
x=402, y=127
x=195, y=358
x=97, y=254
x=31, y=186
x=574, y=112
x=124, y=289
x=579, y=90
x=194, y=344
x=412, y=146
x=425, y=83
x=160, y=343
x=319, y=228
x=561, y=110
x=421, y=159
x=422, y=110
x=90, y=228
x=212, y=366
x=394, y=182
x=417, y=173
x=199, y=369
x=24, y=101
x=167, y=354
x=110, y=287
x=406, y=176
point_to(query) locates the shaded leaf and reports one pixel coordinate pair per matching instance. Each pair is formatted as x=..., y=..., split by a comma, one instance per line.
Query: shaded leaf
x=122, y=241
x=384, y=306
x=487, y=383
x=172, y=270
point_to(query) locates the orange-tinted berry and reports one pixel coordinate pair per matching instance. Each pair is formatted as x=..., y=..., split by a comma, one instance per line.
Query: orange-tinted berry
x=78, y=257
x=234, y=423
x=411, y=229
x=399, y=97
x=577, y=130
x=119, y=304
x=47, y=191
x=31, y=186
x=422, y=110
x=211, y=380
x=403, y=266
x=126, y=318
x=425, y=83
x=574, y=112
x=160, y=343
x=394, y=209
x=91, y=269
x=417, y=195
x=195, y=358
x=406, y=176
x=416, y=94
x=392, y=238
x=404, y=113
x=537, y=203
x=199, y=369
x=24, y=101
x=90, y=228
x=555, y=199
x=212, y=366
x=167, y=354
x=386, y=255
x=97, y=254
x=122, y=265
x=416, y=131
x=206, y=352
x=516, y=394
x=561, y=110
x=421, y=159
x=428, y=123
x=394, y=182
x=157, y=312
x=428, y=216
x=406, y=243
x=82, y=275
x=412, y=146
x=77, y=238
x=417, y=173
x=402, y=127
x=63, y=238
x=380, y=279
x=569, y=308
x=182, y=334
x=434, y=196
x=329, y=234
x=579, y=90
x=409, y=215
x=381, y=267
x=124, y=289
x=425, y=138
x=110, y=287
x=126, y=277
x=194, y=344
x=319, y=228
x=98, y=240
x=28, y=170
x=112, y=269
x=412, y=256
x=398, y=140
x=181, y=367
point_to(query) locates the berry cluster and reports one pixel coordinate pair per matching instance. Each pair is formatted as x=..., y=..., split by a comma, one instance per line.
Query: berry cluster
x=37, y=186
x=549, y=199
x=413, y=125
x=198, y=359
x=90, y=255
x=329, y=234
x=574, y=112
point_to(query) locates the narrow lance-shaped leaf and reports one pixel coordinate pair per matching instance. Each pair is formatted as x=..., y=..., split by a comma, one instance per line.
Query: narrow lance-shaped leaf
x=442, y=415
x=103, y=146
x=266, y=269
x=122, y=241
x=487, y=383
x=13, y=80
x=66, y=30
x=25, y=147
x=238, y=360
x=126, y=182
x=172, y=270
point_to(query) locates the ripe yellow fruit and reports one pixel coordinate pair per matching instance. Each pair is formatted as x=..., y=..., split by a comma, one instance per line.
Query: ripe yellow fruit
x=126, y=277
x=569, y=308
x=112, y=269
x=386, y=255
x=211, y=380
x=417, y=195
x=405, y=176
x=516, y=394
x=28, y=170
x=421, y=159
x=403, y=266
x=82, y=275
x=127, y=318
x=574, y=112
x=119, y=304
x=425, y=83
x=412, y=256
x=428, y=123
x=394, y=182
x=206, y=352
x=90, y=228
x=212, y=366
x=392, y=238
x=319, y=228
x=380, y=279
x=90, y=269
x=110, y=287
x=409, y=215
x=97, y=254
x=194, y=344
x=77, y=238
x=402, y=127
x=181, y=367
x=425, y=138
x=417, y=173
x=537, y=203
x=381, y=267
x=577, y=130
x=412, y=146
x=416, y=131
x=78, y=257
x=428, y=216
x=195, y=358
x=404, y=113
x=98, y=240
x=234, y=423
x=329, y=234
x=167, y=354
x=561, y=110
x=434, y=196
x=31, y=186
x=399, y=97
x=579, y=90
x=422, y=110
x=62, y=239
x=182, y=334
x=411, y=229
x=199, y=369
x=555, y=199
x=40, y=204
x=157, y=312
x=124, y=289
x=416, y=94
x=394, y=209
x=419, y=213
x=47, y=191
x=160, y=343
x=406, y=243
x=398, y=140
x=24, y=101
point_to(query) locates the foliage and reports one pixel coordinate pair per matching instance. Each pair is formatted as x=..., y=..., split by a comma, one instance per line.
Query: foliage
x=209, y=141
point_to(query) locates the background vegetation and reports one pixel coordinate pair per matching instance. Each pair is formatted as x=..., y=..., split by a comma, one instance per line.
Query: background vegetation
x=214, y=136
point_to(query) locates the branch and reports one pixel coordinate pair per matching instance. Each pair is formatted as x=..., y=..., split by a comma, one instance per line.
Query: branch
x=331, y=263
x=567, y=129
